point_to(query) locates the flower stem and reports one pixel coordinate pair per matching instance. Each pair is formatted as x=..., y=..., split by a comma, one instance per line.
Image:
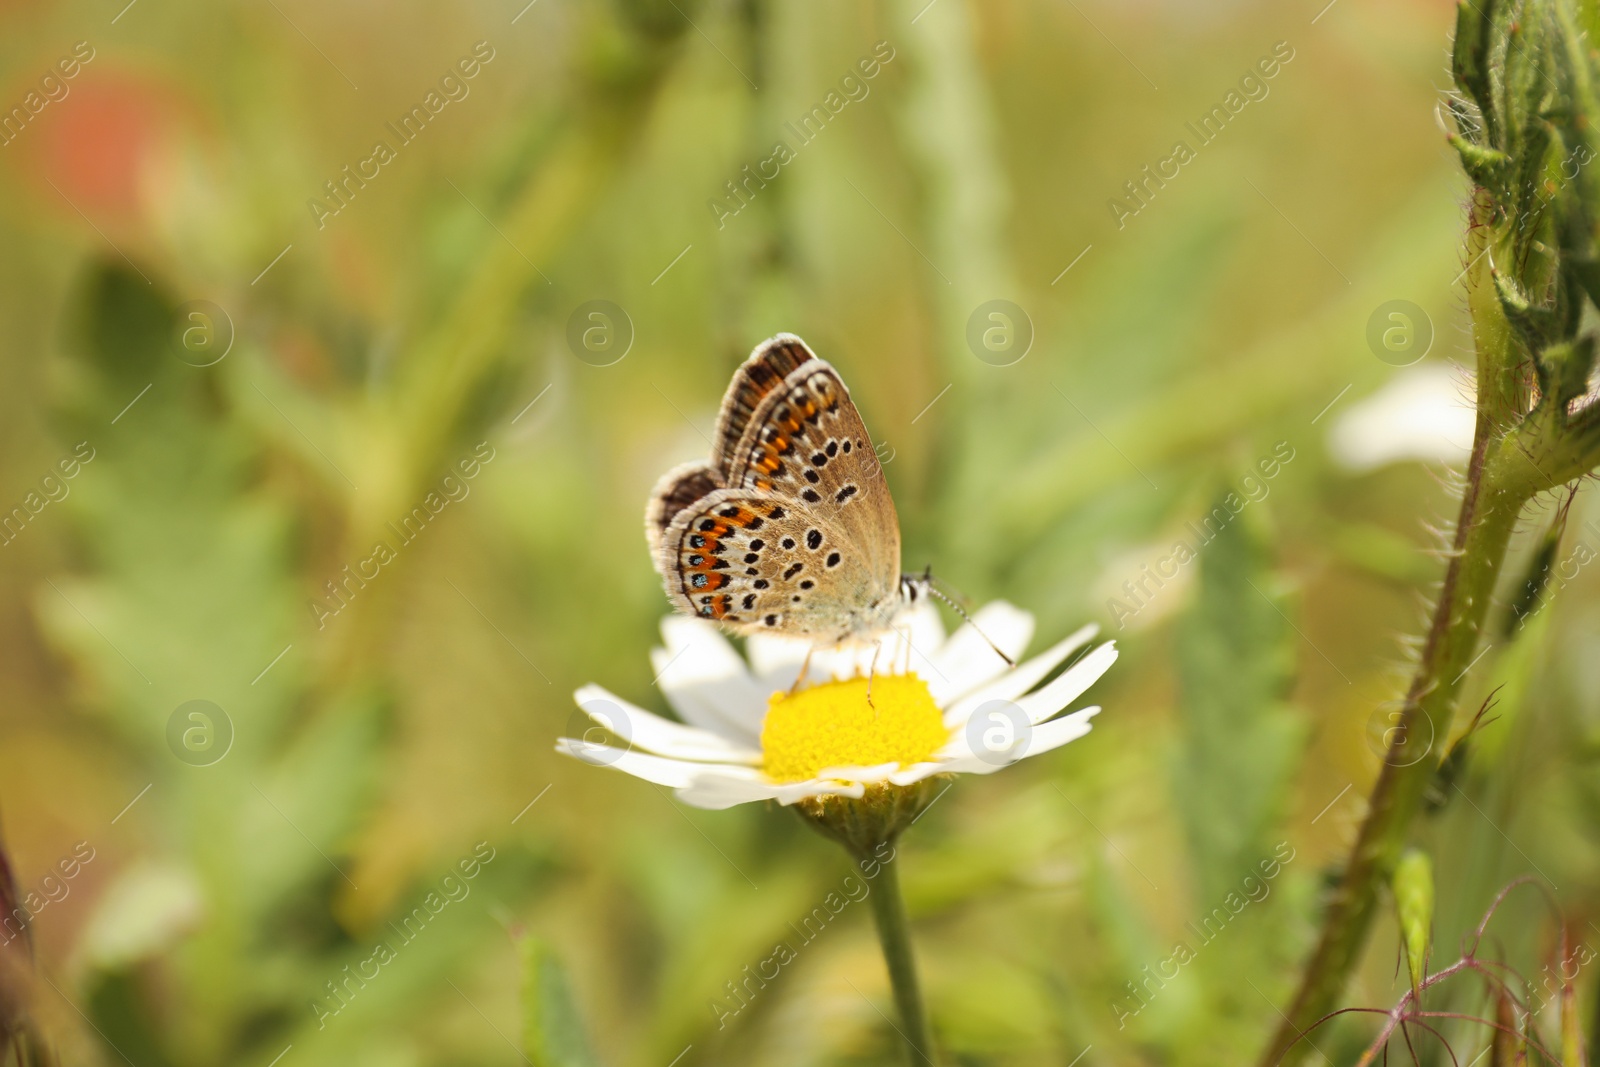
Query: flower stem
x=1531, y=248
x=894, y=934
x=1489, y=512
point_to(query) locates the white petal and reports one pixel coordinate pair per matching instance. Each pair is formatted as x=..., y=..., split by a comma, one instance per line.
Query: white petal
x=1045, y=736
x=706, y=682
x=915, y=636
x=927, y=630
x=776, y=659
x=884, y=654
x=966, y=661
x=1025, y=676
x=958, y=747
x=716, y=791
x=916, y=772
x=661, y=770
x=877, y=773
x=1070, y=685
x=794, y=792
x=648, y=731
x=908, y=644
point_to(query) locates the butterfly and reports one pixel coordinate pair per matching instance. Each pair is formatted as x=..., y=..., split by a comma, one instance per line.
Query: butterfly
x=789, y=528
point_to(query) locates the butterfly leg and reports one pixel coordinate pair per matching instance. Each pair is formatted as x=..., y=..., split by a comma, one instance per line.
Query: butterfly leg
x=805, y=671
x=872, y=670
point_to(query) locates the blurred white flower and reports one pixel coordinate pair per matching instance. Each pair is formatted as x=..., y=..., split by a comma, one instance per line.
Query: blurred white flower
x=1424, y=414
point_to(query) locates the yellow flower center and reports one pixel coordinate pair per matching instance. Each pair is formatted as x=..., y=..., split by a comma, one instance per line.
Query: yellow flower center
x=832, y=725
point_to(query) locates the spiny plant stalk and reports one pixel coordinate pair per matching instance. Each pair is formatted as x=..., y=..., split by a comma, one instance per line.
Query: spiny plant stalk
x=1525, y=122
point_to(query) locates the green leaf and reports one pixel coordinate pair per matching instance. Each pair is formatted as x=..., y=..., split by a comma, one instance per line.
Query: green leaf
x=1239, y=739
x=1413, y=901
x=1486, y=166
x=552, y=1033
x=1470, y=58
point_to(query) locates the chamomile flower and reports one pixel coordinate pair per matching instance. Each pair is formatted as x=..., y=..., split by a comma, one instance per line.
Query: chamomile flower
x=881, y=717
x=856, y=746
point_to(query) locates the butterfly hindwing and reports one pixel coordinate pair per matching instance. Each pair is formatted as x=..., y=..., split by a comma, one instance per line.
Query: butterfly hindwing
x=754, y=561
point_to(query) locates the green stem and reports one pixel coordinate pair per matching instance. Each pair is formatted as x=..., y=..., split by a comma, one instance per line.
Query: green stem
x=1489, y=512
x=894, y=934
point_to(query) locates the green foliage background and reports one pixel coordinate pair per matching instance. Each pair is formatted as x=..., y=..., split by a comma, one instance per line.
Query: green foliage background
x=423, y=319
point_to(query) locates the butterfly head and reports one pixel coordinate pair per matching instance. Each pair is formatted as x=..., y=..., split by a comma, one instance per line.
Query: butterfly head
x=915, y=588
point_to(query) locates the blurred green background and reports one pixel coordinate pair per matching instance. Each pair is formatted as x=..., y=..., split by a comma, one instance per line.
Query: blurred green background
x=370, y=352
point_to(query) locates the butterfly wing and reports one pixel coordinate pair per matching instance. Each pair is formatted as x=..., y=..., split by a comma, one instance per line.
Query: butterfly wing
x=754, y=561
x=679, y=488
x=772, y=361
x=806, y=441
x=791, y=526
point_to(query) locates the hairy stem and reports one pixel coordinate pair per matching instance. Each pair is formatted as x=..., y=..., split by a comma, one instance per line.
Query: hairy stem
x=894, y=934
x=1488, y=516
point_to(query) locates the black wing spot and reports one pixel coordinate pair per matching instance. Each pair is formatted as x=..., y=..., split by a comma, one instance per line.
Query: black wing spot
x=819, y=459
x=813, y=477
x=760, y=583
x=698, y=581
x=807, y=584
x=833, y=559
x=847, y=448
x=787, y=542
x=757, y=522
x=729, y=513
x=776, y=513
x=792, y=570
x=720, y=565
x=708, y=524
x=811, y=496
x=757, y=545
x=696, y=541
x=845, y=494
x=813, y=539
x=752, y=557
x=751, y=571
x=696, y=559
x=749, y=601
x=771, y=620
x=795, y=598
x=832, y=449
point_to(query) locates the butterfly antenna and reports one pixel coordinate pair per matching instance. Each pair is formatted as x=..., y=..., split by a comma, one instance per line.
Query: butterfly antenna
x=933, y=590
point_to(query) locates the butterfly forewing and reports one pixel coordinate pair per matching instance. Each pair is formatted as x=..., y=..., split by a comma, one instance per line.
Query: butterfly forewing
x=808, y=444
